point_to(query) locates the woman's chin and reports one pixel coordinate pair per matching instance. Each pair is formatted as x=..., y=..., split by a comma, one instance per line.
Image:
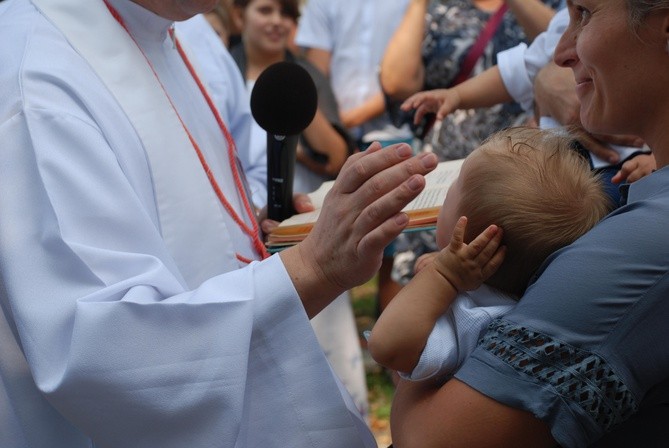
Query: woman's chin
x=593, y=123
x=597, y=127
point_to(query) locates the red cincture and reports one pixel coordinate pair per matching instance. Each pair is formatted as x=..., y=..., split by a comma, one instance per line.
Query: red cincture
x=253, y=231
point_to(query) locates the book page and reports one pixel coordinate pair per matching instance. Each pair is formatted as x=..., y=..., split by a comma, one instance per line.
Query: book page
x=437, y=183
x=301, y=219
x=317, y=197
x=436, y=186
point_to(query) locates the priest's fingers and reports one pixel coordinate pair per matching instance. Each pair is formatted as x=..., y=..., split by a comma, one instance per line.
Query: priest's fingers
x=359, y=218
x=372, y=214
x=379, y=198
x=377, y=171
x=268, y=225
x=302, y=203
x=361, y=166
x=378, y=224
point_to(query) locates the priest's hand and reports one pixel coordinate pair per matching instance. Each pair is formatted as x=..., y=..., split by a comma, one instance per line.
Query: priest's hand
x=360, y=216
x=301, y=204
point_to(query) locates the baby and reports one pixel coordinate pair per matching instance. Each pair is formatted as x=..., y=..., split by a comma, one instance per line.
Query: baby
x=540, y=195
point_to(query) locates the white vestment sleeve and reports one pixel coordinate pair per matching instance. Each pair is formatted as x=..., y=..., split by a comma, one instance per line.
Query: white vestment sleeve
x=109, y=331
x=519, y=65
x=105, y=340
x=113, y=338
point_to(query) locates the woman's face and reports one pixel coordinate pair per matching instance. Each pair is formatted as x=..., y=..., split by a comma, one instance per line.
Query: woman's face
x=616, y=70
x=266, y=27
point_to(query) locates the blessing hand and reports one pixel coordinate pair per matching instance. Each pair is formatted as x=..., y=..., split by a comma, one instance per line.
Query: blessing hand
x=360, y=216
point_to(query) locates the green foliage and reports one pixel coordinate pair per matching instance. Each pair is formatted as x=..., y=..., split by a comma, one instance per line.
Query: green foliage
x=379, y=382
x=381, y=391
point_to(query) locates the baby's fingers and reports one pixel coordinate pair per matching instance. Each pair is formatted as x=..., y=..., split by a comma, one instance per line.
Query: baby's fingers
x=459, y=234
x=484, y=246
x=421, y=111
x=494, y=263
x=412, y=102
x=444, y=110
x=423, y=261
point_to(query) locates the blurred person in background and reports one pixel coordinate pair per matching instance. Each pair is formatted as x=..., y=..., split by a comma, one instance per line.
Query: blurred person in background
x=266, y=30
x=346, y=40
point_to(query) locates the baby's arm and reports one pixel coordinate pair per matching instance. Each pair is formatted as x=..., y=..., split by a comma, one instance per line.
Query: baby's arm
x=400, y=334
x=484, y=90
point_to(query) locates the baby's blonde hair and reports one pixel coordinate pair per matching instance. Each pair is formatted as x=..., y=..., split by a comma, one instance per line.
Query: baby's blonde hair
x=539, y=190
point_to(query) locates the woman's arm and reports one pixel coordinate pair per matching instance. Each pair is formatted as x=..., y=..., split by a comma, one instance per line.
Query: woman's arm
x=455, y=415
x=402, y=70
x=368, y=110
x=324, y=139
x=320, y=58
x=532, y=15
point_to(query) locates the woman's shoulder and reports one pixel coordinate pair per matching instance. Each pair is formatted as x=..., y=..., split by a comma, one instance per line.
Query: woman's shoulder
x=238, y=55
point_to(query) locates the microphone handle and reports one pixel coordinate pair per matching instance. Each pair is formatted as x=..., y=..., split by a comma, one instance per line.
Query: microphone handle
x=280, y=172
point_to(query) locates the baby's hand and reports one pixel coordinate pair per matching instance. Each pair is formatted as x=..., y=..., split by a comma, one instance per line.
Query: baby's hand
x=424, y=261
x=635, y=168
x=439, y=101
x=467, y=266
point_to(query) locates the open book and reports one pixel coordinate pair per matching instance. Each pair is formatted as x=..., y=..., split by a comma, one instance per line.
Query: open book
x=422, y=211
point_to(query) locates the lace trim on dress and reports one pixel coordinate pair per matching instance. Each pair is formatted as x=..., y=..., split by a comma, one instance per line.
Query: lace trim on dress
x=577, y=375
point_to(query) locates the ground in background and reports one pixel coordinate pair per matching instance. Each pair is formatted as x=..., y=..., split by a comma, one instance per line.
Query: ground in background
x=379, y=384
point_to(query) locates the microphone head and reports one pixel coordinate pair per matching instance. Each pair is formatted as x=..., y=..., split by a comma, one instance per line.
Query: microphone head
x=284, y=99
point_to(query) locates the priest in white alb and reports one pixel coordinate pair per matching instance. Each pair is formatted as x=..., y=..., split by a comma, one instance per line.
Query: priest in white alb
x=138, y=307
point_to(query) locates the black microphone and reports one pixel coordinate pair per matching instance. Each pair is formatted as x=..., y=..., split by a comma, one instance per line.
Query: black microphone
x=283, y=103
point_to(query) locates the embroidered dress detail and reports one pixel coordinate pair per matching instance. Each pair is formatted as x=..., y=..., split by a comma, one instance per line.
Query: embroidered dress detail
x=579, y=376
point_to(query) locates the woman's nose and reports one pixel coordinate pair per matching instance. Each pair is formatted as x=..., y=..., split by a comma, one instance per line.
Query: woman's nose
x=565, y=52
x=276, y=17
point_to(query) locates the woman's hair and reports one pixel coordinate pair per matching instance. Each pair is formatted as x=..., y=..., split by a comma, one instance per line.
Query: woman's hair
x=222, y=10
x=290, y=8
x=539, y=190
x=639, y=9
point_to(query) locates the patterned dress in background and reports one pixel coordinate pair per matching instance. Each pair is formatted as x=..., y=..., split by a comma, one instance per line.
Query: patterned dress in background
x=452, y=27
